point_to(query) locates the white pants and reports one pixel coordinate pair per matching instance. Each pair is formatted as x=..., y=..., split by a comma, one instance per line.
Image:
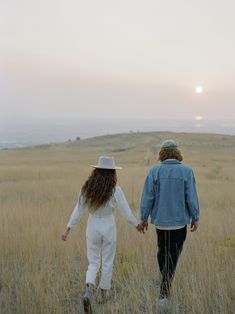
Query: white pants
x=101, y=247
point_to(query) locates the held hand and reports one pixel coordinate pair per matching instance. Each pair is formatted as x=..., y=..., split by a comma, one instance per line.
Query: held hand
x=65, y=235
x=139, y=228
x=194, y=226
x=142, y=226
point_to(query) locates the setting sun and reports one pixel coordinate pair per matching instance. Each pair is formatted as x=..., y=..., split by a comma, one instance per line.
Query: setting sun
x=199, y=89
x=198, y=118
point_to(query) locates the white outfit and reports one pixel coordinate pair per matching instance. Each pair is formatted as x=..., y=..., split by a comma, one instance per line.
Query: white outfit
x=101, y=235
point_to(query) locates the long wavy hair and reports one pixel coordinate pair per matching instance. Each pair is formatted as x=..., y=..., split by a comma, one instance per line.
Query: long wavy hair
x=170, y=153
x=98, y=188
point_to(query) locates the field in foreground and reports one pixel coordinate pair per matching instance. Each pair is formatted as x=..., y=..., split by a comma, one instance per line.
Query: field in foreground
x=39, y=187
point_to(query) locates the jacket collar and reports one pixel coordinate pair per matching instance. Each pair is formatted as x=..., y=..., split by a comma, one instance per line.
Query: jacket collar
x=171, y=161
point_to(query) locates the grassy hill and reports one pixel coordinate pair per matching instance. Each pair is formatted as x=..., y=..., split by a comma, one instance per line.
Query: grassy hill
x=39, y=187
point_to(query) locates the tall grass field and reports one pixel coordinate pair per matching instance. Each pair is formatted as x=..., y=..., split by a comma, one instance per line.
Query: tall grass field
x=39, y=186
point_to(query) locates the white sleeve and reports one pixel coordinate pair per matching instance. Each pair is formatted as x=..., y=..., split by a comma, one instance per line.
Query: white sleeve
x=77, y=212
x=124, y=208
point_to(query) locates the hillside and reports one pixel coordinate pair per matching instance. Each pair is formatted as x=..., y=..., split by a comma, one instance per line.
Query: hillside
x=39, y=187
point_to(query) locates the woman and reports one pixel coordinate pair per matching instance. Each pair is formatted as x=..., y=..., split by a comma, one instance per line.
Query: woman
x=101, y=195
x=170, y=198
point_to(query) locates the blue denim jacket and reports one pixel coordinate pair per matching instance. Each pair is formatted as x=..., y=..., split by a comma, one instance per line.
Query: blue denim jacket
x=170, y=195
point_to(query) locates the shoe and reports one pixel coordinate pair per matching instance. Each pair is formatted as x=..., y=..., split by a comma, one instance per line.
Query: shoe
x=164, y=305
x=163, y=301
x=87, y=298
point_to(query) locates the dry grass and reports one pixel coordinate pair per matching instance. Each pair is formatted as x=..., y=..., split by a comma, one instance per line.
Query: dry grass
x=42, y=274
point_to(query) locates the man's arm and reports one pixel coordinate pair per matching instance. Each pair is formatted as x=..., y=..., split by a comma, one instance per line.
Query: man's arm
x=148, y=198
x=192, y=200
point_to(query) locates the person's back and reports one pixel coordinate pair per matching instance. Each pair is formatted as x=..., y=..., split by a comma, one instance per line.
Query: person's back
x=174, y=202
x=100, y=194
x=170, y=198
x=117, y=200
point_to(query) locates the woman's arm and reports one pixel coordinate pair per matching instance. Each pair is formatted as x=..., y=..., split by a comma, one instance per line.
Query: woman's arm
x=75, y=217
x=124, y=207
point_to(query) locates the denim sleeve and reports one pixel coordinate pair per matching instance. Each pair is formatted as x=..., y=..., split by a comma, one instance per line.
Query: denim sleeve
x=148, y=197
x=191, y=197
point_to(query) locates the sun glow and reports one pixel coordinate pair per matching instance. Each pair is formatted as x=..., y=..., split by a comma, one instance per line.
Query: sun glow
x=199, y=89
x=198, y=118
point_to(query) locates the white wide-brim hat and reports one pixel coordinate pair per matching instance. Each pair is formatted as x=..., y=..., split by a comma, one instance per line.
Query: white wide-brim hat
x=106, y=162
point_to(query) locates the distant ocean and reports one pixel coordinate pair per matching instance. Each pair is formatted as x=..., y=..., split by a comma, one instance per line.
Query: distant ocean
x=15, y=134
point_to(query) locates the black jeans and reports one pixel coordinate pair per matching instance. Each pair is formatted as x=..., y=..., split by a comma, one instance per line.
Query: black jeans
x=170, y=245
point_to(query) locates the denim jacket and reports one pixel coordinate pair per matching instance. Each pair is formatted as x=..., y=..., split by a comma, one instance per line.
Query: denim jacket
x=169, y=195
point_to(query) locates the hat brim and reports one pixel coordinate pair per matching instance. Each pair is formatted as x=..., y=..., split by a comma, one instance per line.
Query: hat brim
x=170, y=147
x=107, y=168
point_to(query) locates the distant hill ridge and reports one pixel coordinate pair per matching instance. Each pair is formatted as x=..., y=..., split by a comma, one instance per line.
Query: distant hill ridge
x=129, y=141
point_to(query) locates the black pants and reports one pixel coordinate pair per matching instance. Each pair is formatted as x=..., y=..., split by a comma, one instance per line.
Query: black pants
x=170, y=245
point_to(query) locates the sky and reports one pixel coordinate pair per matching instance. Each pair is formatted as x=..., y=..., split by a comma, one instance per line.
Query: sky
x=125, y=58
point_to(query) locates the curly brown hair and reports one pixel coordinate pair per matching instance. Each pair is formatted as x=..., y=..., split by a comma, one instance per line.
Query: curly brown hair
x=98, y=188
x=170, y=153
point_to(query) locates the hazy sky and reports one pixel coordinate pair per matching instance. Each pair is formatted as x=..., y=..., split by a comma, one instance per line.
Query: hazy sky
x=105, y=58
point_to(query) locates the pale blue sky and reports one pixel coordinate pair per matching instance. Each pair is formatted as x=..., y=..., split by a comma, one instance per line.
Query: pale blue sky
x=117, y=58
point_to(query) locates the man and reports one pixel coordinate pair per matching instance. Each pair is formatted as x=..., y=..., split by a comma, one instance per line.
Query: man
x=170, y=199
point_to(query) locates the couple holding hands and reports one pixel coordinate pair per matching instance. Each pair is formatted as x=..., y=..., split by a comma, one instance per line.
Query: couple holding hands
x=169, y=198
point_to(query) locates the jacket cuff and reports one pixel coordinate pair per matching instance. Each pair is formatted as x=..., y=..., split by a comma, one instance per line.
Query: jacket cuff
x=144, y=217
x=70, y=226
